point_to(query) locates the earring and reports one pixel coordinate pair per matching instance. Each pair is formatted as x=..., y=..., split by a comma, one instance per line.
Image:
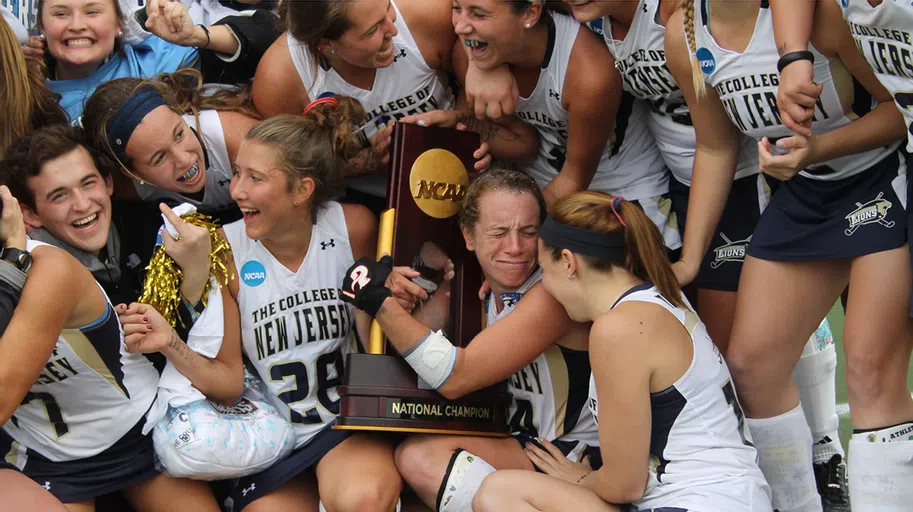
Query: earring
x=120, y=33
x=297, y=203
x=571, y=276
x=333, y=51
x=528, y=25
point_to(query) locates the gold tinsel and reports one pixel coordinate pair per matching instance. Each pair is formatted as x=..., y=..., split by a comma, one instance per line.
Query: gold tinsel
x=162, y=286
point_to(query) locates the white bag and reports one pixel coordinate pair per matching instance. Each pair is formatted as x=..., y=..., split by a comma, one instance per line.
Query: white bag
x=206, y=441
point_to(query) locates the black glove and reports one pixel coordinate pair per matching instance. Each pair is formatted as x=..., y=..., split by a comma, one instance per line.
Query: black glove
x=364, y=284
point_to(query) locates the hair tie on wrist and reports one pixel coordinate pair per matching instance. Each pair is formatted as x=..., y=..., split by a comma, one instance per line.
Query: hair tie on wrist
x=208, y=36
x=791, y=57
x=320, y=101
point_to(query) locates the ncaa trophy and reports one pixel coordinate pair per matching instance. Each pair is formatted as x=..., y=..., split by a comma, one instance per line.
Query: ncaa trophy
x=380, y=391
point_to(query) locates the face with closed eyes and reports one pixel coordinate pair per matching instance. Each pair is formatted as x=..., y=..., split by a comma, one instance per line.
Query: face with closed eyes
x=504, y=238
x=166, y=153
x=368, y=43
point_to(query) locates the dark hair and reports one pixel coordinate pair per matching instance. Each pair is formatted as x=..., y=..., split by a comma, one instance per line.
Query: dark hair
x=312, y=20
x=49, y=59
x=28, y=154
x=315, y=146
x=25, y=100
x=183, y=90
x=645, y=252
x=497, y=178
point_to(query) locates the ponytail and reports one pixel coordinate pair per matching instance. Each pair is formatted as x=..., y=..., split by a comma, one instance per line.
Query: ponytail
x=697, y=74
x=644, y=251
x=315, y=146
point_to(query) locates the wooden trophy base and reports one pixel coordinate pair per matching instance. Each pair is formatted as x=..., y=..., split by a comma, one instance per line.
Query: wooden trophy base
x=380, y=394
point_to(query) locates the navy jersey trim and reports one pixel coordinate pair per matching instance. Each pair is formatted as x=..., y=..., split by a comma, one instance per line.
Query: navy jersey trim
x=578, y=372
x=550, y=45
x=646, y=285
x=665, y=407
x=105, y=337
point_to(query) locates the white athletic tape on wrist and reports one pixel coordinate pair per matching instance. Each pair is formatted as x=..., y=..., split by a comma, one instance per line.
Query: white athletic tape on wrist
x=432, y=358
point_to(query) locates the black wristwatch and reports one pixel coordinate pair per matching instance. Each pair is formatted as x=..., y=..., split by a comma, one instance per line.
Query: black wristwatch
x=19, y=258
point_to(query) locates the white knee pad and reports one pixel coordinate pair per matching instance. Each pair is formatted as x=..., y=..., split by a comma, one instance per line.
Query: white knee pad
x=815, y=375
x=463, y=478
x=880, y=473
x=785, y=456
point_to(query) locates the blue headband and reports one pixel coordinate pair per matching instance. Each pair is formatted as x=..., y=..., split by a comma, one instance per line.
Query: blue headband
x=124, y=122
x=610, y=246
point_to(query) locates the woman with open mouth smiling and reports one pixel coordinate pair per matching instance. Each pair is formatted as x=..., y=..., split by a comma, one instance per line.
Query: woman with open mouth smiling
x=388, y=56
x=590, y=136
x=84, y=47
x=173, y=143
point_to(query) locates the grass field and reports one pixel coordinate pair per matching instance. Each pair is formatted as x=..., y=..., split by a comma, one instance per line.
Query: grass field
x=835, y=317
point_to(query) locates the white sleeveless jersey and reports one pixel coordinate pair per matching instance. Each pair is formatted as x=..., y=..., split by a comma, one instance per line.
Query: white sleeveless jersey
x=701, y=456
x=884, y=36
x=549, y=394
x=90, y=393
x=641, y=58
x=216, y=195
x=406, y=87
x=295, y=328
x=630, y=166
x=747, y=85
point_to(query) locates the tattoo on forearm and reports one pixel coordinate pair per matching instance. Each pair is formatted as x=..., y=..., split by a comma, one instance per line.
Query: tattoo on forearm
x=185, y=353
x=486, y=129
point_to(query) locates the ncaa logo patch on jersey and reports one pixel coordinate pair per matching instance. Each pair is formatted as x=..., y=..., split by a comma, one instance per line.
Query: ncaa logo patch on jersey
x=510, y=299
x=253, y=273
x=706, y=60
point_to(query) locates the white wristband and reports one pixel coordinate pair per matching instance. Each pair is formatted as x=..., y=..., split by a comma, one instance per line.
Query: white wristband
x=432, y=358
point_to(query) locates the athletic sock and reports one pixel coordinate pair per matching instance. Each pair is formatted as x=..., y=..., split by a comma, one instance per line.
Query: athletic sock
x=880, y=469
x=815, y=375
x=461, y=481
x=784, y=445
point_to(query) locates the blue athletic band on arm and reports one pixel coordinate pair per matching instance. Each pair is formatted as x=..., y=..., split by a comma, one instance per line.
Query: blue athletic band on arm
x=125, y=121
x=609, y=246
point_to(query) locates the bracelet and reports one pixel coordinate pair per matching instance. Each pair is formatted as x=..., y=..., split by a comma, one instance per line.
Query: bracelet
x=584, y=476
x=791, y=57
x=208, y=37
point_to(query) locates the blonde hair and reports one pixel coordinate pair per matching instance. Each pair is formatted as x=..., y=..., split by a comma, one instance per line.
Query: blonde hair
x=697, y=74
x=645, y=252
x=315, y=146
x=25, y=100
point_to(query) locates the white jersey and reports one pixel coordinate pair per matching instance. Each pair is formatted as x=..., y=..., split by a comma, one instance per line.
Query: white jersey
x=641, y=59
x=747, y=85
x=631, y=165
x=549, y=394
x=406, y=87
x=701, y=456
x=884, y=36
x=295, y=328
x=216, y=194
x=90, y=393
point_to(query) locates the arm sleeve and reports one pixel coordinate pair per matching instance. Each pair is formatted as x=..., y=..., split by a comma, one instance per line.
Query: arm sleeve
x=256, y=31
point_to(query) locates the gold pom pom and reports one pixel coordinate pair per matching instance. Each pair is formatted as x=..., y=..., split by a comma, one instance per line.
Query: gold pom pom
x=162, y=285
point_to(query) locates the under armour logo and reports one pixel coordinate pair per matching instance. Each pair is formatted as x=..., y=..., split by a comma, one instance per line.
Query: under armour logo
x=402, y=53
x=324, y=245
x=47, y=485
x=554, y=94
x=223, y=182
x=645, y=7
x=249, y=489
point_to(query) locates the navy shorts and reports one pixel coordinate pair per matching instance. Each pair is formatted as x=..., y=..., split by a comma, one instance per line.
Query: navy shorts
x=568, y=448
x=722, y=264
x=810, y=219
x=250, y=488
x=127, y=462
